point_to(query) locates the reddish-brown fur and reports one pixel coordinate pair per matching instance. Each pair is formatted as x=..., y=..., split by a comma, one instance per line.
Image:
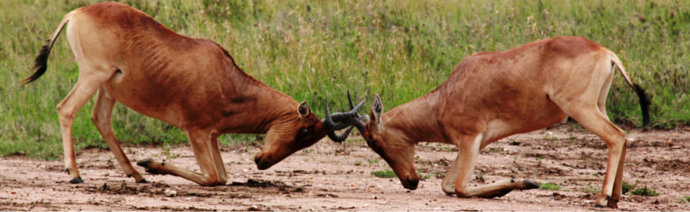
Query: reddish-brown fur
x=194, y=84
x=493, y=95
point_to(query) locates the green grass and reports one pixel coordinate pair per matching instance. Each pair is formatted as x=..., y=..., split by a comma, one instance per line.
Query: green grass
x=628, y=187
x=591, y=189
x=384, y=174
x=314, y=49
x=685, y=199
x=645, y=192
x=549, y=186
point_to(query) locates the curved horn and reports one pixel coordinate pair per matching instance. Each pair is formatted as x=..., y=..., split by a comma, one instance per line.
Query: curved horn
x=349, y=100
x=360, y=120
x=347, y=116
x=340, y=121
x=339, y=117
x=330, y=126
x=342, y=137
x=327, y=122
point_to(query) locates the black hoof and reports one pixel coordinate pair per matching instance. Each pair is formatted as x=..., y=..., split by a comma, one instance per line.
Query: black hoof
x=76, y=180
x=143, y=181
x=531, y=184
x=599, y=206
x=145, y=163
x=154, y=172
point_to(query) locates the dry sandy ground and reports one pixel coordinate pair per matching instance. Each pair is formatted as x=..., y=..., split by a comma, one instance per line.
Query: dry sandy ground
x=330, y=176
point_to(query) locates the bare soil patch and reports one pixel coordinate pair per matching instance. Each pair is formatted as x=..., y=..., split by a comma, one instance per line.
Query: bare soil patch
x=330, y=176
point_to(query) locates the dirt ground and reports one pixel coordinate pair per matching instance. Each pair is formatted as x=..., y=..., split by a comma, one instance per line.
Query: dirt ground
x=330, y=176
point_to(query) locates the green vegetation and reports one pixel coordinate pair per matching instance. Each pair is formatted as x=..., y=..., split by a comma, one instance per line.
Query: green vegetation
x=685, y=199
x=628, y=187
x=591, y=189
x=311, y=50
x=645, y=192
x=549, y=186
x=384, y=174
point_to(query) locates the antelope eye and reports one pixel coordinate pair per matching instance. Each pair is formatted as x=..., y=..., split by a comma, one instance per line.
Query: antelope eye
x=305, y=131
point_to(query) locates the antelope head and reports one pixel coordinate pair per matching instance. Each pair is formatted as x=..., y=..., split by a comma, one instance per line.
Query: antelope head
x=387, y=141
x=300, y=131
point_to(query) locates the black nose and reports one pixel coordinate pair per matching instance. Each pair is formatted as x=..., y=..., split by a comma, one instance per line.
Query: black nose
x=263, y=165
x=412, y=184
x=257, y=160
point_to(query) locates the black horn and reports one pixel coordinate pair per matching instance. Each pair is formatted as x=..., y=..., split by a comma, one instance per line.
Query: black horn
x=339, y=121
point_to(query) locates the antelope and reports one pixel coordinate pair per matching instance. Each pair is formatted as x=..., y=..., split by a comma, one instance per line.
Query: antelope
x=492, y=95
x=194, y=84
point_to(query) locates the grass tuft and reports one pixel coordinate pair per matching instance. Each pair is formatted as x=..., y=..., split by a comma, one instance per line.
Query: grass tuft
x=685, y=199
x=591, y=189
x=549, y=186
x=627, y=187
x=384, y=174
x=645, y=192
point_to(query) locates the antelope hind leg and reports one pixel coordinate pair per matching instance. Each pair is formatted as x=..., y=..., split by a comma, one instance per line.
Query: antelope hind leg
x=101, y=117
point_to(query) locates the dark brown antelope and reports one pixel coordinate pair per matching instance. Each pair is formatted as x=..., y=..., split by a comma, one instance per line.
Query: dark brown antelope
x=493, y=95
x=194, y=84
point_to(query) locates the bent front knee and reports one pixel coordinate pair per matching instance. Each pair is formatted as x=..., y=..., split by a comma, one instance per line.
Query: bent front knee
x=210, y=181
x=461, y=193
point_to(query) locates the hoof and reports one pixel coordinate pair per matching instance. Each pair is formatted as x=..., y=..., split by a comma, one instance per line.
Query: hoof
x=611, y=203
x=531, y=184
x=605, y=201
x=143, y=181
x=154, y=172
x=145, y=163
x=76, y=180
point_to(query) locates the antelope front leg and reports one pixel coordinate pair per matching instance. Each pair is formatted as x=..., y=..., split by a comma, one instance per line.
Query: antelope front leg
x=202, y=145
x=218, y=161
x=468, y=150
x=448, y=184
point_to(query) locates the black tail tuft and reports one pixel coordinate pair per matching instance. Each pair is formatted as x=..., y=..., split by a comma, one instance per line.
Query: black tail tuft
x=645, y=102
x=40, y=64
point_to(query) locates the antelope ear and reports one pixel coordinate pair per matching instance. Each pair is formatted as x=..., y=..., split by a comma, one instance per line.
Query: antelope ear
x=376, y=111
x=303, y=110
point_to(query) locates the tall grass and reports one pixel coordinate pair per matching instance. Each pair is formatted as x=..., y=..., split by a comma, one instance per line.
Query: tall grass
x=313, y=49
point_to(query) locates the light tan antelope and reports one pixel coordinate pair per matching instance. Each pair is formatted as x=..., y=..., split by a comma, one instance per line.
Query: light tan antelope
x=493, y=95
x=128, y=57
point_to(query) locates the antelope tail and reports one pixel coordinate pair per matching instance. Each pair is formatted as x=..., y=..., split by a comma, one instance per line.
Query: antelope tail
x=41, y=62
x=644, y=99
